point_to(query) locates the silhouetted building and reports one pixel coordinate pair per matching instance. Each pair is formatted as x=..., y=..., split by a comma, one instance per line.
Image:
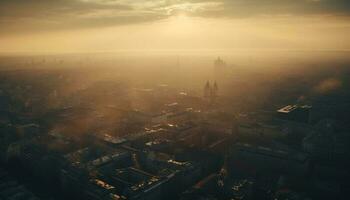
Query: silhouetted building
x=11, y=189
x=327, y=142
x=220, y=68
x=248, y=159
x=210, y=93
x=207, y=90
x=132, y=183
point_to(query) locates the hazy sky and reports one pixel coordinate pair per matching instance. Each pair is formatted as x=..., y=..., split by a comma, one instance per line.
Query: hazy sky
x=108, y=25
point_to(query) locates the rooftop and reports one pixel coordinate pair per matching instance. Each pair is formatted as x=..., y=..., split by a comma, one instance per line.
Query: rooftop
x=291, y=108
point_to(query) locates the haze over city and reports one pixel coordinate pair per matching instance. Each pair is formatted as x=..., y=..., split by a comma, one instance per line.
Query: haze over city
x=174, y=99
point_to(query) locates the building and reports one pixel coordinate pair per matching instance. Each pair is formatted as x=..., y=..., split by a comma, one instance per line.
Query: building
x=76, y=175
x=249, y=160
x=295, y=113
x=210, y=93
x=131, y=183
x=148, y=117
x=11, y=189
x=220, y=68
x=97, y=189
x=327, y=142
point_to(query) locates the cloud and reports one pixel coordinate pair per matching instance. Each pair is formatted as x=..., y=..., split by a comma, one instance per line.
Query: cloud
x=248, y=8
x=328, y=85
x=31, y=15
x=18, y=16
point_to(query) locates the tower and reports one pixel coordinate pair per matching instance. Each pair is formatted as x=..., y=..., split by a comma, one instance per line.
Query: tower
x=210, y=92
x=207, y=90
x=219, y=68
x=219, y=63
x=213, y=93
x=215, y=90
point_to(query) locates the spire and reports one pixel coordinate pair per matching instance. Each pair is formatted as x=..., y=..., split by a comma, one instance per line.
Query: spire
x=207, y=85
x=207, y=89
x=215, y=86
x=215, y=90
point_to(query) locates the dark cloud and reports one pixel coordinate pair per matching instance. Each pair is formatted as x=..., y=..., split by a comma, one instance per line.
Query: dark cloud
x=39, y=9
x=248, y=8
x=29, y=15
x=37, y=15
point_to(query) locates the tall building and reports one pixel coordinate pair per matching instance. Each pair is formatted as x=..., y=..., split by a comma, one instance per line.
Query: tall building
x=207, y=90
x=219, y=63
x=220, y=68
x=215, y=90
x=210, y=93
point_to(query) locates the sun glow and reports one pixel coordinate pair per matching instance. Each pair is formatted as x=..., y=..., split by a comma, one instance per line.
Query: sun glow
x=179, y=25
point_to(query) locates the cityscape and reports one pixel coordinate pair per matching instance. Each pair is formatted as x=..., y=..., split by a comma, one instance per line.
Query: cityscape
x=175, y=100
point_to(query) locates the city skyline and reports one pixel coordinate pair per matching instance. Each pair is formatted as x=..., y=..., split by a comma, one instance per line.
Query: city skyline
x=174, y=99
